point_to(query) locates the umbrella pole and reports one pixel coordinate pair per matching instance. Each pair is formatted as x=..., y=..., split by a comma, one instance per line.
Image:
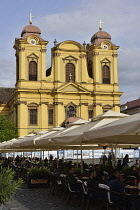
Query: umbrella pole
x=93, y=156
x=43, y=158
x=112, y=157
x=31, y=155
x=14, y=158
x=115, y=155
x=57, y=152
x=81, y=159
x=48, y=155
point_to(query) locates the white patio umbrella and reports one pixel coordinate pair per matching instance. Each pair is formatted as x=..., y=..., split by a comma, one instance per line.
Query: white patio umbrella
x=75, y=136
x=17, y=144
x=29, y=140
x=123, y=131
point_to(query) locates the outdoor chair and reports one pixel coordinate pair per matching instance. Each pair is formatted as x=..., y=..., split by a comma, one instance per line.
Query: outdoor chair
x=136, y=201
x=55, y=185
x=71, y=192
x=63, y=186
x=104, y=192
x=118, y=198
x=93, y=198
x=84, y=193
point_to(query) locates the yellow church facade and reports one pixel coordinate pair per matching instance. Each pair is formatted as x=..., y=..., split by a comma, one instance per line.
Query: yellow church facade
x=81, y=82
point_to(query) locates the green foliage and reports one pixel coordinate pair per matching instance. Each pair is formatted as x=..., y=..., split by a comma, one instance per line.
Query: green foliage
x=39, y=173
x=8, y=185
x=126, y=170
x=7, y=129
x=77, y=171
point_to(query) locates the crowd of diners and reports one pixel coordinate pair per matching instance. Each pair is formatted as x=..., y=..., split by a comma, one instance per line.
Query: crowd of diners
x=115, y=178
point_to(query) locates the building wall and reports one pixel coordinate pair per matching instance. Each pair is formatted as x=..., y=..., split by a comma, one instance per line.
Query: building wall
x=53, y=91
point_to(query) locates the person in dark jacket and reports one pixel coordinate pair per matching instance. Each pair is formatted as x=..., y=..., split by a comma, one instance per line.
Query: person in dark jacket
x=116, y=185
x=92, y=183
x=75, y=184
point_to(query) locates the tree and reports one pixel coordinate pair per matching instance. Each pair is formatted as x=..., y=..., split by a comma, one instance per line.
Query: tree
x=7, y=129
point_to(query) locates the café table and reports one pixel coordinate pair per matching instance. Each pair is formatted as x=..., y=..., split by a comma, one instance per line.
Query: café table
x=130, y=189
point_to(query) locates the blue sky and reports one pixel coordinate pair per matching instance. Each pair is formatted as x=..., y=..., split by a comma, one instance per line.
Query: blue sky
x=75, y=20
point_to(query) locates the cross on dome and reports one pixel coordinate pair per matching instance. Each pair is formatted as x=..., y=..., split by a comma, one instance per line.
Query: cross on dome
x=100, y=27
x=30, y=16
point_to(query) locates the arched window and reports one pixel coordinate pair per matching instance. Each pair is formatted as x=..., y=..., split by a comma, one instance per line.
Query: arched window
x=70, y=72
x=33, y=71
x=106, y=74
x=71, y=111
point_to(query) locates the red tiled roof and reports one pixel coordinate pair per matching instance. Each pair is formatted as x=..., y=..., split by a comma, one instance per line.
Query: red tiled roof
x=72, y=119
x=132, y=104
x=5, y=95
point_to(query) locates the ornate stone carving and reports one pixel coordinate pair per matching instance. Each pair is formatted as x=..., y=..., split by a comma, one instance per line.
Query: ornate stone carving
x=82, y=56
x=57, y=103
x=86, y=104
x=117, y=105
x=97, y=104
x=21, y=49
x=21, y=102
x=114, y=55
x=43, y=50
x=95, y=54
x=57, y=54
x=46, y=103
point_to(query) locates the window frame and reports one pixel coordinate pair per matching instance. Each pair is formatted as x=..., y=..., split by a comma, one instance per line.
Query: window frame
x=31, y=70
x=70, y=69
x=32, y=106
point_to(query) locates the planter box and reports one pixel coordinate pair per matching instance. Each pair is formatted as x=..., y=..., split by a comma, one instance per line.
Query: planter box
x=39, y=181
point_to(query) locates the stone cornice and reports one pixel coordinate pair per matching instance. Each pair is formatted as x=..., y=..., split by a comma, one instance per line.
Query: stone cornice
x=57, y=103
x=86, y=104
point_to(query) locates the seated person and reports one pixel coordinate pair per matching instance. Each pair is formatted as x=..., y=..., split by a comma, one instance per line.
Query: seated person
x=116, y=185
x=103, y=178
x=115, y=182
x=92, y=183
x=75, y=184
x=119, y=165
x=134, y=171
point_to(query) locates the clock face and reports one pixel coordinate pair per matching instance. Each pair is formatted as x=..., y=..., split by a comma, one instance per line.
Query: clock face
x=105, y=47
x=33, y=42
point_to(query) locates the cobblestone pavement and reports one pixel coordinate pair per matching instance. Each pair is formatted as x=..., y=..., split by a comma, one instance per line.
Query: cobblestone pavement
x=39, y=199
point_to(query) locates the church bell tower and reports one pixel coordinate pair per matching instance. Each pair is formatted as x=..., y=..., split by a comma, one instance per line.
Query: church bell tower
x=30, y=87
x=103, y=69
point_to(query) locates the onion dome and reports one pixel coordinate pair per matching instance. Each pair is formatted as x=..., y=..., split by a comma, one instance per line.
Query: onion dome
x=100, y=36
x=30, y=29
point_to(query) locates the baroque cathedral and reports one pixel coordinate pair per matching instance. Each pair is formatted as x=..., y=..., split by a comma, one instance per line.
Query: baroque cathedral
x=81, y=82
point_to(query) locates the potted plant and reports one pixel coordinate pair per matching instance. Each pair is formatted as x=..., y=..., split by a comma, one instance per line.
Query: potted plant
x=38, y=176
x=8, y=185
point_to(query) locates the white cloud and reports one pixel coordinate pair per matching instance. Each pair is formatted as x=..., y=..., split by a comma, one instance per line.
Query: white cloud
x=7, y=70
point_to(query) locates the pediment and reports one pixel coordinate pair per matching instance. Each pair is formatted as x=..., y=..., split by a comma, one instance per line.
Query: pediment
x=33, y=55
x=70, y=58
x=105, y=61
x=72, y=87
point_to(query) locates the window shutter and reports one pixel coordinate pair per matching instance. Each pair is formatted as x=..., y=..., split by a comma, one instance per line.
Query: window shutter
x=50, y=116
x=106, y=74
x=33, y=116
x=33, y=71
